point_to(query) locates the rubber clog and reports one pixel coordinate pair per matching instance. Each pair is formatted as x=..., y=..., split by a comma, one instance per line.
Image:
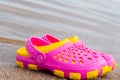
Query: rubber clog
x=61, y=58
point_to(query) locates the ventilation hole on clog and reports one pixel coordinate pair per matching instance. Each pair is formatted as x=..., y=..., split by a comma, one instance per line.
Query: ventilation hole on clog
x=85, y=54
x=73, y=53
x=54, y=57
x=88, y=51
x=68, y=48
x=74, y=57
x=81, y=62
x=78, y=54
x=94, y=52
x=62, y=54
x=60, y=59
x=96, y=56
x=76, y=50
x=82, y=51
x=80, y=58
x=67, y=56
x=86, y=48
x=68, y=52
x=66, y=60
x=89, y=58
x=72, y=49
x=73, y=62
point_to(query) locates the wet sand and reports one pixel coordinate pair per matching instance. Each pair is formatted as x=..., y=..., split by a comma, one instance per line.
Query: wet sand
x=97, y=23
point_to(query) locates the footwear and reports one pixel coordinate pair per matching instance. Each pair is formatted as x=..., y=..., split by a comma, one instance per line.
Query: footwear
x=80, y=45
x=61, y=58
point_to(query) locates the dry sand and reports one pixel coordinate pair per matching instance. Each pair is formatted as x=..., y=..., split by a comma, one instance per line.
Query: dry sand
x=96, y=22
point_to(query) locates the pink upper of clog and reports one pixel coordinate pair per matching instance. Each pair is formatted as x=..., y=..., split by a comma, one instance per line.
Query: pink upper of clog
x=66, y=58
x=80, y=45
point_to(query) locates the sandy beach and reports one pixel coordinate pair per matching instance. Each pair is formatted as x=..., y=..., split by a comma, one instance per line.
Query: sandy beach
x=97, y=23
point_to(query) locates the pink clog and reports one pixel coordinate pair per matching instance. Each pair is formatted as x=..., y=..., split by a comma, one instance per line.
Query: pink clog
x=61, y=58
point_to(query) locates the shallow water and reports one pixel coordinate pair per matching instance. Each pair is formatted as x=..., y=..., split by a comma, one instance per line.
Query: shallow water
x=96, y=22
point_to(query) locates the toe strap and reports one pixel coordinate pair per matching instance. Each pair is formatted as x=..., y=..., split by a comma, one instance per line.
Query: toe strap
x=39, y=57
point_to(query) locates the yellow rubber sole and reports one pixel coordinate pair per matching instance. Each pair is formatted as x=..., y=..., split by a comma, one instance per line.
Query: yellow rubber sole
x=73, y=75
